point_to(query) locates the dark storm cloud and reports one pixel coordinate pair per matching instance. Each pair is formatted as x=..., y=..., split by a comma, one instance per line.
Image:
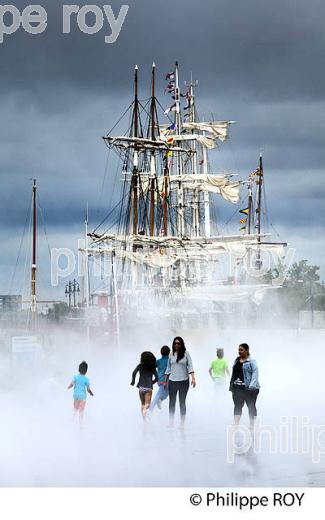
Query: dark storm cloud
x=252, y=47
x=258, y=62
x=68, y=157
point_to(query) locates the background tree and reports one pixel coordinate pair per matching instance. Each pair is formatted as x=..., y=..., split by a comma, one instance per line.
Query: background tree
x=59, y=310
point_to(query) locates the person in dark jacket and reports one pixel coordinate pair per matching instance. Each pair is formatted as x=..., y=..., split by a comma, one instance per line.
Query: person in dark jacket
x=162, y=392
x=244, y=384
x=147, y=378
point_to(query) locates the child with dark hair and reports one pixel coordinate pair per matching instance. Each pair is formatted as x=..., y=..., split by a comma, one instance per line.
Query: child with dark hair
x=147, y=378
x=80, y=385
x=162, y=393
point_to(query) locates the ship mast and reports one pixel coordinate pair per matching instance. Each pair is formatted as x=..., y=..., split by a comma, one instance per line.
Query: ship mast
x=33, y=305
x=135, y=175
x=206, y=195
x=249, y=227
x=178, y=123
x=86, y=274
x=250, y=207
x=152, y=157
x=259, y=212
x=192, y=119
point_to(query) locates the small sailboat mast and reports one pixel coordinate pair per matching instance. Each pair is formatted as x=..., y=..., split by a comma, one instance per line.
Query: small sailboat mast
x=33, y=306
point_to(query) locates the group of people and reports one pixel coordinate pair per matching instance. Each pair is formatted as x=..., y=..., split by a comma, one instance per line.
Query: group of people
x=173, y=372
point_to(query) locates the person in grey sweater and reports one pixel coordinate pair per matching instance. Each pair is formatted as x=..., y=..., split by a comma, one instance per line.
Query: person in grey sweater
x=179, y=369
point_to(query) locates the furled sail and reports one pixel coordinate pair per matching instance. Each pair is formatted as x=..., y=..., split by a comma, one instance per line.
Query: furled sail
x=168, y=250
x=174, y=241
x=220, y=184
x=206, y=140
x=154, y=260
x=214, y=129
x=229, y=190
x=206, y=133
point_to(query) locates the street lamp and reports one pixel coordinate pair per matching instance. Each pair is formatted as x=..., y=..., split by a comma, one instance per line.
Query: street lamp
x=68, y=292
x=72, y=288
x=76, y=289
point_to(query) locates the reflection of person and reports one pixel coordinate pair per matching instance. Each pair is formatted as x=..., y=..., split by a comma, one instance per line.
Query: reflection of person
x=81, y=385
x=162, y=393
x=218, y=369
x=244, y=384
x=179, y=368
x=147, y=378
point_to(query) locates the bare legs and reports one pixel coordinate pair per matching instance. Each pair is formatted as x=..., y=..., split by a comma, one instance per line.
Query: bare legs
x=79, y=406
x=145, y=398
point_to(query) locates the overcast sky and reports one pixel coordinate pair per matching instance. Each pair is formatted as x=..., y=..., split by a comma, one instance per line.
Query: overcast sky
x=258, y=62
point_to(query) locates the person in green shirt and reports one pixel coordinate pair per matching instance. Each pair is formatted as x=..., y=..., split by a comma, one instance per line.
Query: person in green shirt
x=219, y=369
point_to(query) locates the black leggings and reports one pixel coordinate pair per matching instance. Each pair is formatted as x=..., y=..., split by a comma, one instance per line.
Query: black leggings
x=241, y=396
x=181, y=387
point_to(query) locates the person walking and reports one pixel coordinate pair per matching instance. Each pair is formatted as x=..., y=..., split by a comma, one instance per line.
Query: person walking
x=162, y=392
x=179, y=369
x=244, y=384
x=219, y=369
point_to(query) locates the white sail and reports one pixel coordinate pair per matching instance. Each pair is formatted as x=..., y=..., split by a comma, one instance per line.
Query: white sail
x=217, y=129
x=211, y=132
x=154, y=260
x=163, y=259
x=207, y=141
x=229, y=190
x=219, y=184
x=174, y=241
x=167, y=250
x=141, y=143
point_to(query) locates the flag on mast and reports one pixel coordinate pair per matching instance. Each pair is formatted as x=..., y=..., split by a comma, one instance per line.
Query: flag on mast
x=170, y=109
x=170, y=87
x=254, y=173
x=171, y=128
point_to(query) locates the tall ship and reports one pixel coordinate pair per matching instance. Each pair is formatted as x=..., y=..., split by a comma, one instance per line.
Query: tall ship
x=160, y=241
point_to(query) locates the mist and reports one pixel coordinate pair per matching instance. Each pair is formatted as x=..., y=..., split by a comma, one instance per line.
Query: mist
x=258, y=63
x=41, y=445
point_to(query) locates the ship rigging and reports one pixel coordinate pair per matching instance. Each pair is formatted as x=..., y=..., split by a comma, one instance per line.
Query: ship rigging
x=164, y=243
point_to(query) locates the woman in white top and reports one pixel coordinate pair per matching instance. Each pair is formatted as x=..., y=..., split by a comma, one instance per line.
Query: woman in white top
x=179, y=368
